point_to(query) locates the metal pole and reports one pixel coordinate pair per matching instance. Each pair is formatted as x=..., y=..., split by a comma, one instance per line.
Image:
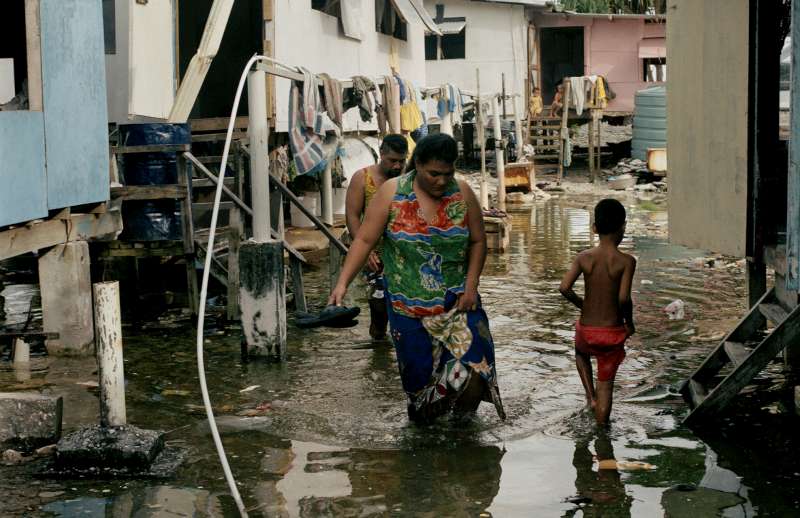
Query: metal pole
x=446, y=125
x=108, y=329
x=482, y=138
x=498, y=153
x=327, y=189
x=518, y=127
x=503, y=79
x=258, y=133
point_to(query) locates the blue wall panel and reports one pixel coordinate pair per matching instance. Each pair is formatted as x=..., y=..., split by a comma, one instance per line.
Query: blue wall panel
x=75, y=112
x=23, y=192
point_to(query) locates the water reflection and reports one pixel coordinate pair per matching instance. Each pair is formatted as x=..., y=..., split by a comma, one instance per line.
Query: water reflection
x=334, y=440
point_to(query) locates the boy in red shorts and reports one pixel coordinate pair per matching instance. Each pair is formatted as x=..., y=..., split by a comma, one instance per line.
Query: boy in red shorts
x=606, y=309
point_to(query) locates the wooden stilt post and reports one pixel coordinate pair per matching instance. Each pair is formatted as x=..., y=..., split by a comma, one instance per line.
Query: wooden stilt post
x=236, y=226
x=108, y=322
x=590, y=135
x=564, y=135
x=327, y=189
x=499, y=156
x=482, y=138
x=518, y=127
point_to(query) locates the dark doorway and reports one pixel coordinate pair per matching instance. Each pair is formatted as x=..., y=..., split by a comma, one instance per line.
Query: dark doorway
x=243, y=37
x=561, y=55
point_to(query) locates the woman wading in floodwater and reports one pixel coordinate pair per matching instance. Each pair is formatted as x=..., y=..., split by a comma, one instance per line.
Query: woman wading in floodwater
x=434, y=251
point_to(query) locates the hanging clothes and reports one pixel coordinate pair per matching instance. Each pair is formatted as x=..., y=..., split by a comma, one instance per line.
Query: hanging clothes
x=392, y=104
x=401, y=84
x=567, y=147
x=304, y=141
x=333, y=98
x=360, y=95
x=578, y=92
x=410, y=116
x=442, y=104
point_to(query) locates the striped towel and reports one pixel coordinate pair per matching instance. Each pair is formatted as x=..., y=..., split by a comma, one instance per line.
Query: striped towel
x=308, y=125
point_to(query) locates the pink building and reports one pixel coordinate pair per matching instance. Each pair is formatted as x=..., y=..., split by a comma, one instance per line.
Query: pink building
x=628, y=50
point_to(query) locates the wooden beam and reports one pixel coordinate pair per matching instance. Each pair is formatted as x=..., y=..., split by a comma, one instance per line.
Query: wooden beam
x=33, y=41
x=78, y=227
x=217, y=123
x=793, y=181
x=159, y=148
x=149, y=192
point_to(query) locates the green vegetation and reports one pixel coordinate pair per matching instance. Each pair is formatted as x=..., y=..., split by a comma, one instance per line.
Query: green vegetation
x=615, y=6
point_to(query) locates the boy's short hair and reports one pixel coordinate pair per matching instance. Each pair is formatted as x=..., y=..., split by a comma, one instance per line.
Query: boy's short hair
x=394, y=142
x=609, y=216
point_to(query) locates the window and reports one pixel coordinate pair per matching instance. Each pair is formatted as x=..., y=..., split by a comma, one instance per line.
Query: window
x=388, y=21
x=431, y=47
x=331, y=7
x=654, y=70
x=454, y=45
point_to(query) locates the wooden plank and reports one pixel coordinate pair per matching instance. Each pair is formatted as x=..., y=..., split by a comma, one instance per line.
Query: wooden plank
x=149, y=192
x=217, y=123
x=787, y=332
x=187, y=228
x=79, y=227
x=164, y=250
x=564, y=129
x=793, y=180
x=235, y=235
x=219, y=137
x=736, y=352
x=33, y=37
x=29, y=334
x=773, y=312
x=297, y=285
x=204, y=183
x=743, y=332
x=159, y=148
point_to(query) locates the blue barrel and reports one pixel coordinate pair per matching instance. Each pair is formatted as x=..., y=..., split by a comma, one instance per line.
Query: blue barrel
x=649, y=121
x=157, y=220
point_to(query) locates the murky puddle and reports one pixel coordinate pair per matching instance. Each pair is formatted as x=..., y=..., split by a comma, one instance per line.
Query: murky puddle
x=325, y=434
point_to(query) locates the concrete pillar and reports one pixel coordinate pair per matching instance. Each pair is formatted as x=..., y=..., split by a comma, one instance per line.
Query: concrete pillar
x=111, y=370
x=66, y=289
x=263, y=298
x=258, y=133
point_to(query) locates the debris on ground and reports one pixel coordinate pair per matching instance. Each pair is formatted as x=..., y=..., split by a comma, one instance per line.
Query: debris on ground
x=609, y=134
x=676, y=310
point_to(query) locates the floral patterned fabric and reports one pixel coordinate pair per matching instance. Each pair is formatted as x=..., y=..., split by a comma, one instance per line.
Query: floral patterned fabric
x=437, y=355
x=424, y=261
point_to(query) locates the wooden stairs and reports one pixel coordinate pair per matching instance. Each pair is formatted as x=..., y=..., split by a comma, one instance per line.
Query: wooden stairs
x=739, y=357
x=544, y=134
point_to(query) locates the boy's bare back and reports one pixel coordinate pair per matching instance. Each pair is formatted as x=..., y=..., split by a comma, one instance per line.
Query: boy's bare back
x=608, y=275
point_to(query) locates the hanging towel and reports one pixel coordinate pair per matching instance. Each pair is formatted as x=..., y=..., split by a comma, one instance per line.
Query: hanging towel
x=442, y=104
x=391, y=99
x=578, y=92
x=333, y=98
x=307, y=125
x=402, y=86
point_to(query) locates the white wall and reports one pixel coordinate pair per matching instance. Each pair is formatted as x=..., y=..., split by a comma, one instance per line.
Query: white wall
x=152, y=72
x=496, y=43
x=309, y=38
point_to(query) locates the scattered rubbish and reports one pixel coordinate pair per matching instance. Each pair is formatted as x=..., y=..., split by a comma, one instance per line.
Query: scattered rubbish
x=249, y=389
x=50, y=494
x=542, y=346
x=622, y=182
x=646, y=282
x=578, y=500
x=46, y=451
x=630, y=165
x=90, y=384
x=175, y=392
x=624, y=465
x=494, y=213
x=259, y=410
x=653, y=394
x=11, y=457
x=676, y=310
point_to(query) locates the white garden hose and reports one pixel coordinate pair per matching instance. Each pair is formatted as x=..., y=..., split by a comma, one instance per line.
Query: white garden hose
x=201, y=371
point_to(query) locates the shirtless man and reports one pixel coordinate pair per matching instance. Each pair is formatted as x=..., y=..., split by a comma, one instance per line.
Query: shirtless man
x=363, y=186
x=606, y=310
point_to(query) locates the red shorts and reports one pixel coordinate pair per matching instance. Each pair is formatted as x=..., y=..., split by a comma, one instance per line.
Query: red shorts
x=607, y=344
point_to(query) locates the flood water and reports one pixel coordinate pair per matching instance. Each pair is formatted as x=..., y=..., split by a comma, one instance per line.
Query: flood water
x=329, y=436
